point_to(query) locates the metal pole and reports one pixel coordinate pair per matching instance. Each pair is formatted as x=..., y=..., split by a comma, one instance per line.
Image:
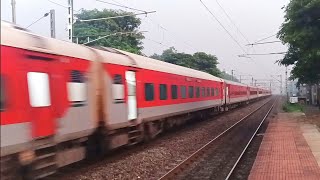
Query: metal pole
x=252, y=81
x=240, y=78
x=232, y=75
x=13, y=4
x=281, y=85
x=70, y=19
x=287, y=83
x=270, y=85
x=52, y=24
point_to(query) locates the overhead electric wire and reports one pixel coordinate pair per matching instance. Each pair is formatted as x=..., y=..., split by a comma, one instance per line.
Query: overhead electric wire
x=264, y=38
x=269, y=42
x=116, y=3
x=222, y=26
x=263, y=54
x=120, y=5
x=113, y=17
x=158, y=42
x=174, y=35
x=61, y=5
x=234, y=24
x=113, y=34
x=228, y=32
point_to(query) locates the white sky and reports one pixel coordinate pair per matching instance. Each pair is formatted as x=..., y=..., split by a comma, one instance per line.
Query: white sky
x=190, y=28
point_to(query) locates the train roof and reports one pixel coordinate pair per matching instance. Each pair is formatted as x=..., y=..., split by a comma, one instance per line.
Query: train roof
x=16, y=36
x=235, y=83
x=157, y=65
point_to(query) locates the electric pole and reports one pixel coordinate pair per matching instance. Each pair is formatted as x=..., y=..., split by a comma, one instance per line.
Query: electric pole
x=52, y=24
x=232, y=75
x=13, y=4
x=70, y=19
x=281, y=89
x=287, y=83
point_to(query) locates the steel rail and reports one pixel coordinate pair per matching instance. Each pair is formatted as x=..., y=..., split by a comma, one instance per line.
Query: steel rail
x=254, y=134
x=181, y=166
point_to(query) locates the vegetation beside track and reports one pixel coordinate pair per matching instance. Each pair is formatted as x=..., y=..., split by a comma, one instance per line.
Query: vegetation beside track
x=289, y=107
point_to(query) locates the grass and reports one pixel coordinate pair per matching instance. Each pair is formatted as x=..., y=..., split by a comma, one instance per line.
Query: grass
x=288, y=107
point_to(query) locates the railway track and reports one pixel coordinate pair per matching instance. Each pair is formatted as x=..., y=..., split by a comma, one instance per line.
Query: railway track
x=219, y=157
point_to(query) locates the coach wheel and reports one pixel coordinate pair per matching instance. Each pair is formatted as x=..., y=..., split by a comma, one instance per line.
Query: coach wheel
x=146, y=134
x=11, y=169
x=97, y=144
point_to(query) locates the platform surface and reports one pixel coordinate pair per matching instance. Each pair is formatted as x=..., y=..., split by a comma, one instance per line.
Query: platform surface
x=289, y=150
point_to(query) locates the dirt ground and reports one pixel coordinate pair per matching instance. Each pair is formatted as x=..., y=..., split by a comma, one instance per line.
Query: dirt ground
x=313, y=114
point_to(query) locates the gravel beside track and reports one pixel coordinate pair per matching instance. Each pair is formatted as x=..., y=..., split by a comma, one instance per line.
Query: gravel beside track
x=154, y=159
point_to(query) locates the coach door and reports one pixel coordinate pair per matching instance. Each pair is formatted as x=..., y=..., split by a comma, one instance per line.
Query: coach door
x=131, y=94
x=39, y=82
x=227, y=94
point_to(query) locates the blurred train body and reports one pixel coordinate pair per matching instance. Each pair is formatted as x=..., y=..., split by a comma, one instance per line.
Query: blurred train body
x=62, y=102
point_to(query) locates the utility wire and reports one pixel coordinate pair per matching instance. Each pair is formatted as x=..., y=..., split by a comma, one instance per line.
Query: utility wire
x=62, y=5
x=144, y=12
x=45, y=15
x=114, y=17
x=158, y=42
x=265, y=38
x=222, y=26
x=234, y=24
x=113, y=34
x=120, y=5
x=269, y=42
x=262, y=54
x=174, y=35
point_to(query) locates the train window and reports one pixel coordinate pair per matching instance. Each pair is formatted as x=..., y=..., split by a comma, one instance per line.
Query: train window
x=39, y=91
x=191, y=91
x=117, y=79
x=118, y=89
x=203, y=92
x=183, y=92
x=217, y=92
x=174, y=91
x=163, y=91
x=208, y=92
x=2, y=93
x=197, y=92
x=149, y=91
x=77, y=93
x=212, y=91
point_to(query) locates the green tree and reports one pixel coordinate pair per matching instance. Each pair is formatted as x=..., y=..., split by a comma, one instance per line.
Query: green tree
x=199, y=60
x=94, y=29
x=301, y=32
x=206, y=62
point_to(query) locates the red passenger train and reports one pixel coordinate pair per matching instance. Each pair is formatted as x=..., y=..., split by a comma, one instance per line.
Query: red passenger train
x=62, y=102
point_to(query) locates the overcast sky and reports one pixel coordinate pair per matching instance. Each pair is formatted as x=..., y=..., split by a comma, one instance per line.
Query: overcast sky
x=189, y=27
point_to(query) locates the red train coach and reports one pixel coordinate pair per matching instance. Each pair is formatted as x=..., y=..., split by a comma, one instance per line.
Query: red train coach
x=237, y=93
x=62, y=102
